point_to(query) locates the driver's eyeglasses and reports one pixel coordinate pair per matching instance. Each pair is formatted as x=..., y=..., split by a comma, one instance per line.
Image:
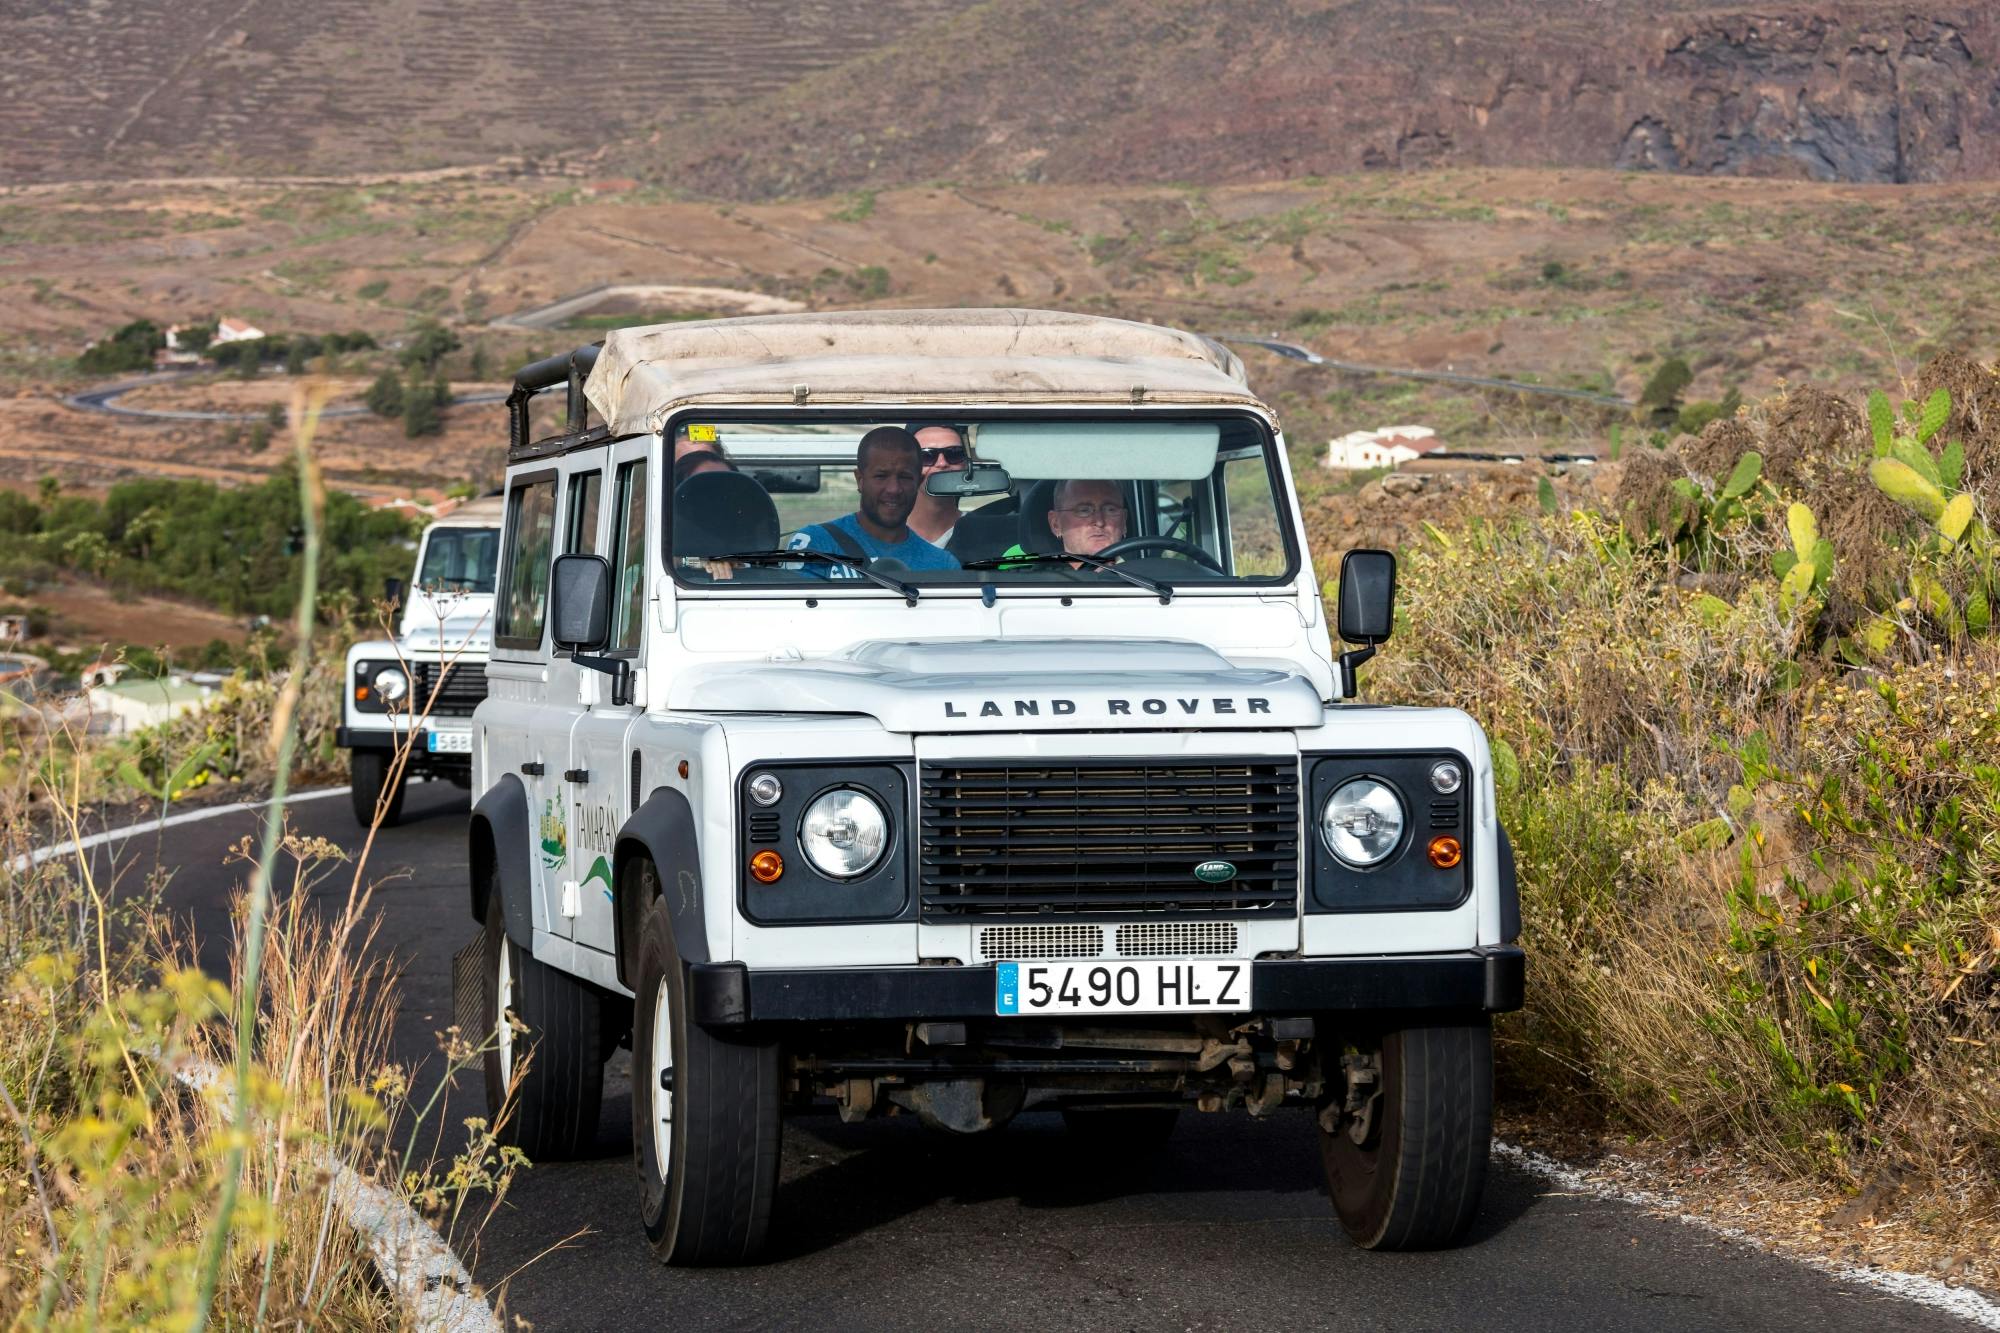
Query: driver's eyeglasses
x=1089, y=513
x=953, y=454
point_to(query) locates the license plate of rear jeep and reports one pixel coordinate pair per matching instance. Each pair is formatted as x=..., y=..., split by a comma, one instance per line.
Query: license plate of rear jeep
x=1146, y=986
x=450, y=742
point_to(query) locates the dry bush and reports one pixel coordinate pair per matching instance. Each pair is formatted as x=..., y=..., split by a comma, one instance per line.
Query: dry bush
x=1760, y=867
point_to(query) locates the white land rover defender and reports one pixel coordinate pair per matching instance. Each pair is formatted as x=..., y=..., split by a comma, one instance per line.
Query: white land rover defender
x=1098, y=831
x=432, y=675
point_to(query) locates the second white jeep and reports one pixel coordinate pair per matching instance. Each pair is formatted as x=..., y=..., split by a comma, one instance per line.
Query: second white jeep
x=1039, y=820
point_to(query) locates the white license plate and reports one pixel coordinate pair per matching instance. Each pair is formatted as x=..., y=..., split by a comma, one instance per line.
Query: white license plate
x=1146, y=986
x=449, y=742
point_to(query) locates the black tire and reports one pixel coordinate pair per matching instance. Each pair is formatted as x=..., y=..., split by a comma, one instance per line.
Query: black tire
x=712, y=1202
x=561, y=1089
x=369, y=773
x=1122, y=1128
x=1414, y=1181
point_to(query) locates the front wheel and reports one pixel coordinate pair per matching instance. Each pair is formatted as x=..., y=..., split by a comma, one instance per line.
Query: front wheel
x=372, y=776
x=705, y=1118
x=1404, y=1139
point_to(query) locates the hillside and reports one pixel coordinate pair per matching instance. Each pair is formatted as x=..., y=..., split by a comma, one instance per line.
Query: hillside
x=1278, y=89
x=752, y=99
x=171, y=87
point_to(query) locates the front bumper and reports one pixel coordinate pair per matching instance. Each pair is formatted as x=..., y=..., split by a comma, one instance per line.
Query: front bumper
x=730, y=994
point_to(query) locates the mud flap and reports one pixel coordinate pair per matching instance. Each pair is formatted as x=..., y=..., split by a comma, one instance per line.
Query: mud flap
x=468, y=989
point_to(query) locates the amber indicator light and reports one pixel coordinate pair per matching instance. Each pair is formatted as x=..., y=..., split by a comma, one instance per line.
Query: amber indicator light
x=1446, y=853
x=766, y=866
x=361, y=694
x=683, y=771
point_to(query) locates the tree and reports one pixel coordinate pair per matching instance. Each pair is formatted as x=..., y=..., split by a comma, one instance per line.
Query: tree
x=480, y=364
x=430, y=343
x=421, y=415
x=385, y=395
x=128, y=348
x=1660, y=400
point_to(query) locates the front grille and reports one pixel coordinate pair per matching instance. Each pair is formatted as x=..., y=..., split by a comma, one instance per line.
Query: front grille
x=1107, y=838
x=464, y=688
x=1177, y=939
x=1041, y=942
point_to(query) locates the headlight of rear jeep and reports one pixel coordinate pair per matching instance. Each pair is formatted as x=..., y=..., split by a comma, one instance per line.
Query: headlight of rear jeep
x=390, y=684
x=1362, y=822
x=844, y=833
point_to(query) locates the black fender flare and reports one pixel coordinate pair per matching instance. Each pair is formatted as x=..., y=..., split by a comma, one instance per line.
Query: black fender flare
x=498, y=849
x=1510, y=892
x=661, y=831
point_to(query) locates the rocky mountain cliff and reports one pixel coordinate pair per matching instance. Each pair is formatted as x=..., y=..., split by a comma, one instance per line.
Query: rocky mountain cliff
x=1262, y=89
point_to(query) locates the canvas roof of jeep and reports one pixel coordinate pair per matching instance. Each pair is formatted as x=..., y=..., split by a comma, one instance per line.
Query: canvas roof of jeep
x=906, y=356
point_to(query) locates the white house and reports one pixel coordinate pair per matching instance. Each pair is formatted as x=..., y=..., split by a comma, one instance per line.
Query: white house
x=1389, y=446
x=229, y=329
x=126, y=706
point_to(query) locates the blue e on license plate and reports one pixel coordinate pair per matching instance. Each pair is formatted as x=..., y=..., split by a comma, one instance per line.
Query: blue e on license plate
x=1140, y=986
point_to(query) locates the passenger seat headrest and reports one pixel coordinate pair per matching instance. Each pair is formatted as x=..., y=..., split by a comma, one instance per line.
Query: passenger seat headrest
x=720, y=513
x=1034, y=531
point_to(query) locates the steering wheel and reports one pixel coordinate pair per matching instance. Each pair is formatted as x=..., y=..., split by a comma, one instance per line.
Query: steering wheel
x=1173, y=544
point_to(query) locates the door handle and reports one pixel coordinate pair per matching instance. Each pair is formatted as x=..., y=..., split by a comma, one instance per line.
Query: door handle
x=533, y=769
x=576, y=775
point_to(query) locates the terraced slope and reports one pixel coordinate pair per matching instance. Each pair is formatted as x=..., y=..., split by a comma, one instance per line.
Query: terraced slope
x=125, y=88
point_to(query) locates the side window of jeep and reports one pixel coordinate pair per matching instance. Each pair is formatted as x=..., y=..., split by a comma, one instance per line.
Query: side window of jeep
x=584, y=491
x=628, y=553
x=531, y=527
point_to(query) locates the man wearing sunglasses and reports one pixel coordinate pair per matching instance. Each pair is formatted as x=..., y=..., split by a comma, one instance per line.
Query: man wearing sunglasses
x=941, y=448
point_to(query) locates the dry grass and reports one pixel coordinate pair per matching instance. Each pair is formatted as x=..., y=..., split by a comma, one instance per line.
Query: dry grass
x=1760, y=861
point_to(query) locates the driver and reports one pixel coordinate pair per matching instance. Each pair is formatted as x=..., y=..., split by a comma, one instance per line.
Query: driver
x=887, y=474
x=1085, y=516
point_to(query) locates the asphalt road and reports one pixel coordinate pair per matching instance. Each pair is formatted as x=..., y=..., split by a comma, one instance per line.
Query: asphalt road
x=887, y=1225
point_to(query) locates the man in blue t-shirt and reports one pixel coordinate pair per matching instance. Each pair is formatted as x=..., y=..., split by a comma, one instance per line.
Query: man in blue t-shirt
x=888, y=473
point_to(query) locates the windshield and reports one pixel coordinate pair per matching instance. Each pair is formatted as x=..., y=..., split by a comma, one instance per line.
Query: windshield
x=1160, y=504
x=460, y=560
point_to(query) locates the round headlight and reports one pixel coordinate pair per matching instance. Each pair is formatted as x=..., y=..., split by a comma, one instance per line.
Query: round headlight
x=1362, y=822
x=844, y=833
x=391, y=684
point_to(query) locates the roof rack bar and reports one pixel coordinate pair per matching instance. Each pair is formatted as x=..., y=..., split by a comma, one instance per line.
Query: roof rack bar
x=573, y=367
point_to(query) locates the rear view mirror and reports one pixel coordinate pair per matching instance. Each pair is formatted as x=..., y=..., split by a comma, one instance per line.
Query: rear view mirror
x=1367, y=597
x=1367, y=613
x=975, y=479
x=580, y=602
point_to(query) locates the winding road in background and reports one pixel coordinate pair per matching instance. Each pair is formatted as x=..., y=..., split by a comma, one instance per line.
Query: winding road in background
x=887, y=1225
x=105, y=399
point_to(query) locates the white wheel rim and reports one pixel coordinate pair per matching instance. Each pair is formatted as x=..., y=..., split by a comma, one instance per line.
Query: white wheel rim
x=503, y=1000
x=663, y=1065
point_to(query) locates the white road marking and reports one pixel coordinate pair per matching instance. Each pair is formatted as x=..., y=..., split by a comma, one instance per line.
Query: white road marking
x=428, y=1279
x=1928, y=1291
x=72, y=846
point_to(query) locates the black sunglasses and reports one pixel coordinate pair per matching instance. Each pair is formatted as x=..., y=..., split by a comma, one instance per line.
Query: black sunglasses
x=951, y=454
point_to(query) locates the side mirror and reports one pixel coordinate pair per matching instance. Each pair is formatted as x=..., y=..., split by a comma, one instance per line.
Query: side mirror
x=974, y=479
x=580, y=618
x=1367, y=597
x=580, y=602
x=392, y=593
x=1367, y=612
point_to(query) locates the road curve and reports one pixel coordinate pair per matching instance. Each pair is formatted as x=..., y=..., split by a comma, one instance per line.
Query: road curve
x=1294, y=352
x=105, y=398
x=886, y=1225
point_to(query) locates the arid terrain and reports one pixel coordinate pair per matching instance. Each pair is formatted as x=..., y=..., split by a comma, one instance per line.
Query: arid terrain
x=1576, y=278
x=753, y=98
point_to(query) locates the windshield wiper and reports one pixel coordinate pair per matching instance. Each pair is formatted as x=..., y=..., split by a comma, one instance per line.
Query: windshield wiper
x=1164, y=591
x=909, y=591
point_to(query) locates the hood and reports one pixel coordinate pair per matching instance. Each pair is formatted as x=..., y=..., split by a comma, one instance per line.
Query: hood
x=972, y=685
x=467, y=625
